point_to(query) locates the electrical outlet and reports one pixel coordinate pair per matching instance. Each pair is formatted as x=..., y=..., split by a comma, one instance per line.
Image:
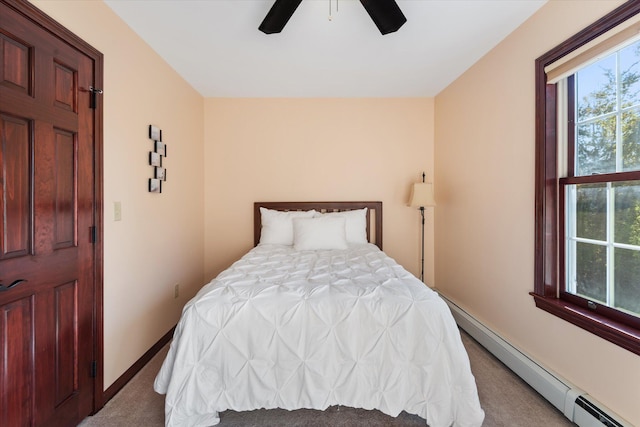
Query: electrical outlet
x=176, y=290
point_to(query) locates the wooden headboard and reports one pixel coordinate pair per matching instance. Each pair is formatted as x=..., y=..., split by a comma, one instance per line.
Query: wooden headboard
x=374, y=215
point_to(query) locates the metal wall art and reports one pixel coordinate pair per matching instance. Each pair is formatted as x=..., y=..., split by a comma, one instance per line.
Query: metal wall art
x=155, y=160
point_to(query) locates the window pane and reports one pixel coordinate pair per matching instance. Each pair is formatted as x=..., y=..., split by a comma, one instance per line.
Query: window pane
x=591, y=271
x=627, y=283
x=631, y=140
x=591, y=211
x=596, y=147
x=596, y=89
x=630, y=75
x=627, y=212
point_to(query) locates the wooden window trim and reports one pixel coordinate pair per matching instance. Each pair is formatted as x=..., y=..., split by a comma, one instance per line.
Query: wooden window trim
x=547, y=285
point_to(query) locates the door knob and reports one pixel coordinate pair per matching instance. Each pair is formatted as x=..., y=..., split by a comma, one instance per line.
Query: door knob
x=12, y=285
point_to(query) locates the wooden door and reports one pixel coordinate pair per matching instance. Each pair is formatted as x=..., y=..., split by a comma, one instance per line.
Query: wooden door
x=47, y=220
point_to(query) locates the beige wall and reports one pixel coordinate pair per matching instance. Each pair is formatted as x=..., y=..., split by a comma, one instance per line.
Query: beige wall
x=339, y=149
x=315, y=149
x=484, y=250
x=159, y=241
x=330, y=149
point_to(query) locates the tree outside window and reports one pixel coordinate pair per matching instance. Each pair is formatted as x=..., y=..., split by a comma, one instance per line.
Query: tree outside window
x=603, y=219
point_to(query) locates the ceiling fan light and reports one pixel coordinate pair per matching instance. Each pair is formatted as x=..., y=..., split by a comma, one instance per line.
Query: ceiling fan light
x=386, y=14
x=278, y=16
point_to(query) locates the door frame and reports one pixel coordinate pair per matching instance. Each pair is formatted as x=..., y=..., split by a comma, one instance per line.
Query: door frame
x=41, y=19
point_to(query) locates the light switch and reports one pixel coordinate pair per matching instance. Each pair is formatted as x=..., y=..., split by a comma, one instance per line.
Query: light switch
x=117, y=211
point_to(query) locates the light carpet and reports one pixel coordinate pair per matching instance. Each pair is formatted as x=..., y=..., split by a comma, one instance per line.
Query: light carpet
x=506, y=399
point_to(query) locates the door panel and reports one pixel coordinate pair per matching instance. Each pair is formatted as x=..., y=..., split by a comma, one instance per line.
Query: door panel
x=65, y=223
x=16, y=377
x=66, y=88
x=15, y=73
x=48, y=201
x=66, y=352
x=15, y=215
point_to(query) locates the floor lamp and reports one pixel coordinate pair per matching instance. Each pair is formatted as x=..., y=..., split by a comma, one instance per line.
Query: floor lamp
x=421, y=196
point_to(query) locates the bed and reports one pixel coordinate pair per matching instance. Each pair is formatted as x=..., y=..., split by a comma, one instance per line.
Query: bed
x=317, y=315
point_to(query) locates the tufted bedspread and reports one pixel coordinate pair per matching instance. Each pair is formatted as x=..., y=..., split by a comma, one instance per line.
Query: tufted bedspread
x=312, y=329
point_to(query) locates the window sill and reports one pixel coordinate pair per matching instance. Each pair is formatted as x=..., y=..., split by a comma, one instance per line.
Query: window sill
x=617, y=333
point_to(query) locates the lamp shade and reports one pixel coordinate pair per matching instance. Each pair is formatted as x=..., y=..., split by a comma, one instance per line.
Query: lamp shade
x=422, y=194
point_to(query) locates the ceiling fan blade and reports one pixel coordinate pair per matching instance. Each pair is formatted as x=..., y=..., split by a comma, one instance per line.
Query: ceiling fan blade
x=386, y=14
x=278, y=16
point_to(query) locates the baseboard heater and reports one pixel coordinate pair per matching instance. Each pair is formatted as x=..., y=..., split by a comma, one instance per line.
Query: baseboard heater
x=575, y=404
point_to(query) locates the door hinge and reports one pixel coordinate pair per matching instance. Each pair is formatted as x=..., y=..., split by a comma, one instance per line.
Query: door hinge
x=93, y=234
x=93, y=101
x=94, y=369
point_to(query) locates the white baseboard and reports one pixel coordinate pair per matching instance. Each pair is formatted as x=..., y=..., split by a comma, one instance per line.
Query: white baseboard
x=574, y=403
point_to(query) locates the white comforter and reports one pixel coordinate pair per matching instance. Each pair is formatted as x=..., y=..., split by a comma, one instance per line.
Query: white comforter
x=312, y=329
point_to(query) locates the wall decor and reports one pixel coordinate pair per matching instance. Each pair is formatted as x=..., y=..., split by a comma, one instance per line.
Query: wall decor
x=161, y=148
x=155, y=133
x=156, y=160
x=160, y=173
x=155, y=185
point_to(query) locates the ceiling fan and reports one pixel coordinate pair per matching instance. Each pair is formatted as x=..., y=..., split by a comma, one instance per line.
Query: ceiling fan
x=386, y=14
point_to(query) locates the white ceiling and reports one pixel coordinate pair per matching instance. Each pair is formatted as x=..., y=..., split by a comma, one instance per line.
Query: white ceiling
x=216, y=46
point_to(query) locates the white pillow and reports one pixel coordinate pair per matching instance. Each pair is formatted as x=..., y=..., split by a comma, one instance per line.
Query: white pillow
x=310, y=234
x=277, y=226
x=356, y=224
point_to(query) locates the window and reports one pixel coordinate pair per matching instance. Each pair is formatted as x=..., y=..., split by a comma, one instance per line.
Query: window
x=601, y=225
x=588, y=180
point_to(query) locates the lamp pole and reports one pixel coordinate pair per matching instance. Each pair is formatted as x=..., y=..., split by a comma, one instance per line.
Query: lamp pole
x=422, y=196
x=422, y=246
